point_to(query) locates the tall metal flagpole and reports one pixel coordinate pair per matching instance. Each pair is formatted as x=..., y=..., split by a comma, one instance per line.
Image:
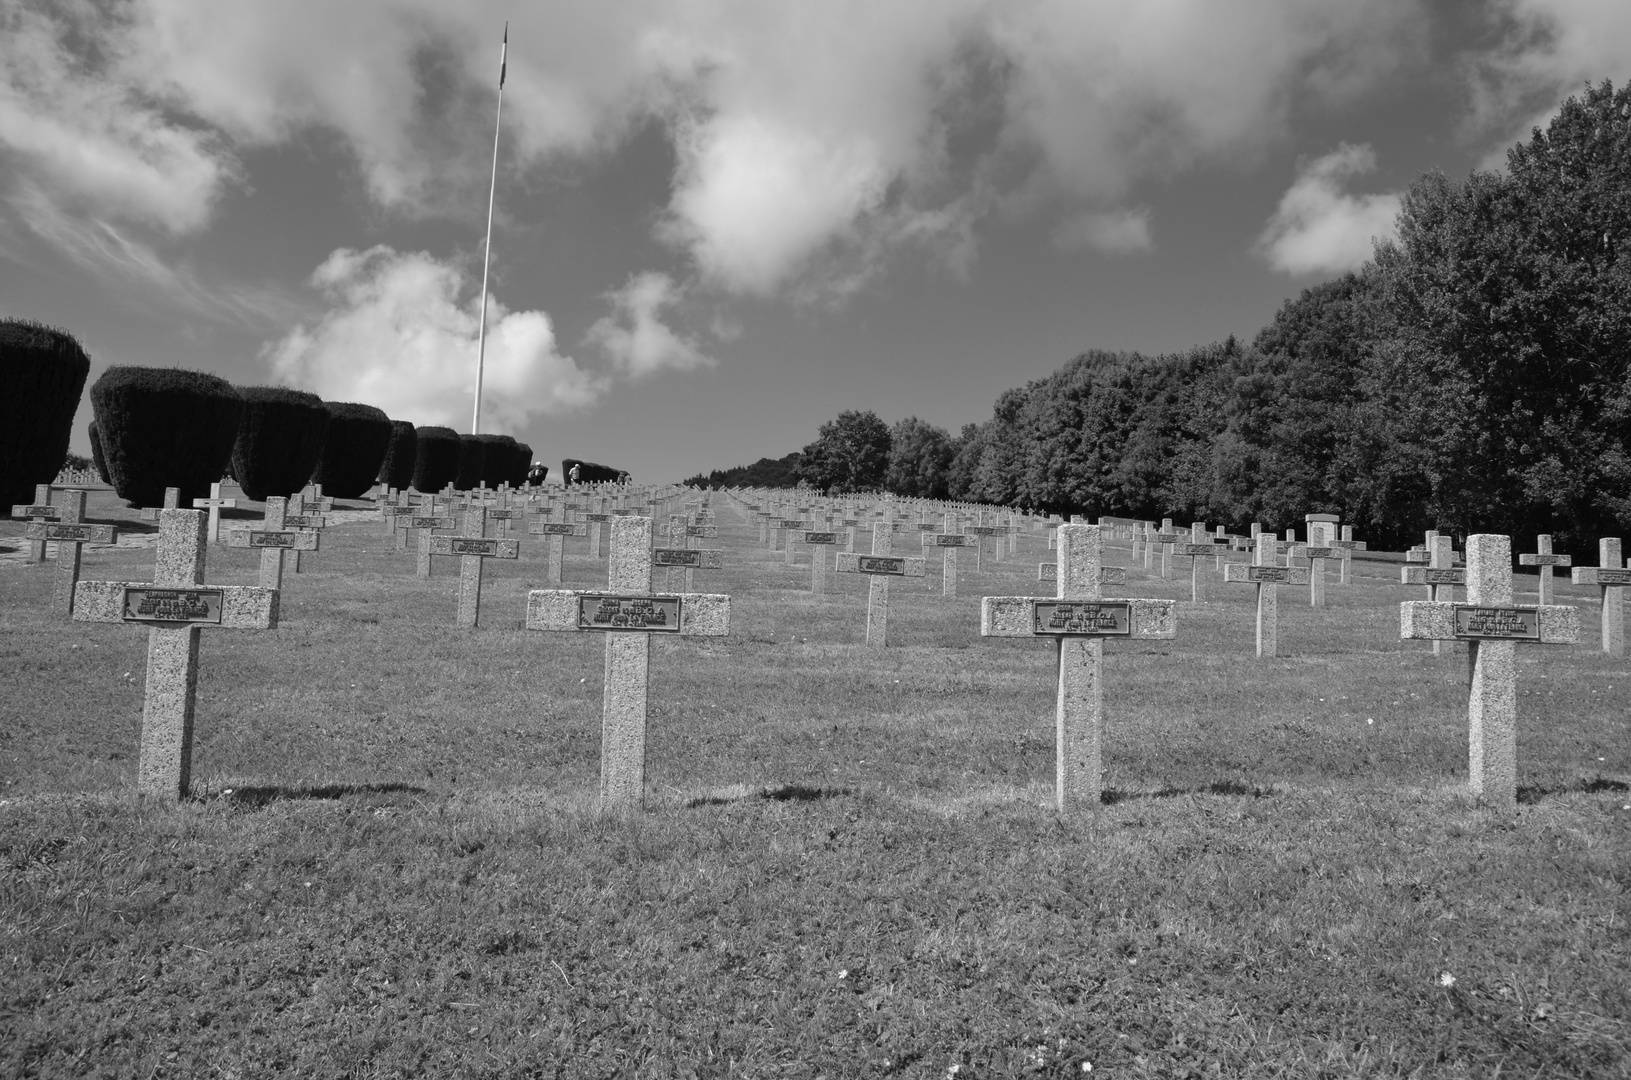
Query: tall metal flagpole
x=487, y=256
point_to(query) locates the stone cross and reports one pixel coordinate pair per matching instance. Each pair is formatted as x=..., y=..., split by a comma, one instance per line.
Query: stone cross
x=683, y=530
x=1264, y=572
x=172, y=500
x=1079, y=620
x=473, y=549
x=1491, y=626
x=392, y=510
x=175, y=605
x=214, y=504
x=37, y=511
x=69, y=534
x=596, y=522
x=1108, y=575
x=880, y=566
x=1199, y=547
x=1316, y=554
x=424, y=526
x=818, y=540
x=555, y=546
x=790, y=529
x=628, y=614
x=947, y=542
x=1345, y=549
x=272, y=539
x=1543, y=559
x=1610, y=577
x=305, y=520
x=1440, y=575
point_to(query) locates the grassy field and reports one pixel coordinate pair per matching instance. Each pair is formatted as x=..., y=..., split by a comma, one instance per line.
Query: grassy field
x=849, y=866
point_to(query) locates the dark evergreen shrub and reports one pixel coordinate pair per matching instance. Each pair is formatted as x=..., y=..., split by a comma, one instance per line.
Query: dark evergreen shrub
x=164, y=427
x=397, y=469
x=498, y=461
x=279, y=440
x=353, y=449
x=436, y=461
x=523, y=463
x=42, y=371
x=472, y=462
x=588, y=472
x=96, y=455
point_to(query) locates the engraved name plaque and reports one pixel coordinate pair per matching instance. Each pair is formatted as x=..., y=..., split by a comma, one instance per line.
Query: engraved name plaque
x=820, y=538
x=1268, y=573
x=792, y=523
x=1319, y=553
x=470, y=545
x=39, y=511
x=690, y=557
x=643, y=614
x=597, y=517
x=72, y=533
x=553, y=528
x=1497, y=623
x=950, y=540
x=434, y=523
x=304, y=521
x=1091, y=618
x=880, y=564
x=145, y=604
x=261, y=539
x=1609, y=576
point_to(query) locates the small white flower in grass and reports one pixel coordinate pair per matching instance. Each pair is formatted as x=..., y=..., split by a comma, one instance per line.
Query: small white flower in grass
x=1370, y=719
x=1446, y=979
x=843, y=973
x=1087, y=1066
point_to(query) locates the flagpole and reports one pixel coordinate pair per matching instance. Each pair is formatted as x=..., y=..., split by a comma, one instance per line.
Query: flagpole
x=487, y=251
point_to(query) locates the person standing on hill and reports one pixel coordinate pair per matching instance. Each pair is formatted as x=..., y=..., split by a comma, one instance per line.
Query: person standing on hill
x=572, y=477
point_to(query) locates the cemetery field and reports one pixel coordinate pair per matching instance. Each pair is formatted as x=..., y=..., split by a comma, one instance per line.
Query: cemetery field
x=849, y=864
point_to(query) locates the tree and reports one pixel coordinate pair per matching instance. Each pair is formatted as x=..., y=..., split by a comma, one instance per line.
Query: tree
x=850, y=453
x=919, y=454
x=1508, y=341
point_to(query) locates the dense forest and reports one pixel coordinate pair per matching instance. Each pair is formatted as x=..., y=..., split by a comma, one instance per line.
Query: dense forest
x=1473, y=376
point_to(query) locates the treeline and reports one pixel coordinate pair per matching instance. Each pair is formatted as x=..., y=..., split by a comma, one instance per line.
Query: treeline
x=1474, y=376
x=779, y=472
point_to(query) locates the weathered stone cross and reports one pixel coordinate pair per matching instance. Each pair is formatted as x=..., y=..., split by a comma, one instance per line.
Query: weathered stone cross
x=1200, y=546
x=1543, y=559
x=37, y=511
x=1267, y=576
x=880, y=566
x=1079, y=620
x=473, y=549
x=1610, y=578
x=555, y=534
x=818, y=541
x=70, y=535
x=176, y=605
x=628, y=614
x=214, y=504
x=273, y=539
x=1491, y=626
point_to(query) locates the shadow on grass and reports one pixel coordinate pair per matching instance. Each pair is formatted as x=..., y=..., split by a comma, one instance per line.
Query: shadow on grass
x=254, y=797
x=781, y=793
x=1220, y=787
x=1535, y=793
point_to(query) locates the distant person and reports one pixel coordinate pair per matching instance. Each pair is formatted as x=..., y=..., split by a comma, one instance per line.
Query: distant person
x=536, y=474
x=572, y=477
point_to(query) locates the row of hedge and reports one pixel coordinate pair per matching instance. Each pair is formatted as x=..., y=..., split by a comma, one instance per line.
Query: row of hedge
x=162, y=427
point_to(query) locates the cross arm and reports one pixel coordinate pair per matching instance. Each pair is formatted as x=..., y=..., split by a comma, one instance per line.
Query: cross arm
x=484, y=547
x=1431, y=575
x=287, y=539
x=1600, y=575
x=853, y=562
x=688, y=558
x=1015, y=616
x=240, y=607
x=1534, y=558
x=72, y=532
x=1249, y=574
x=1435, y=620
x=700, y=614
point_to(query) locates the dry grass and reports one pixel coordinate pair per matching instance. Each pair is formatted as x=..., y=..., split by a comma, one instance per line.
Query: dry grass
x=849, y=866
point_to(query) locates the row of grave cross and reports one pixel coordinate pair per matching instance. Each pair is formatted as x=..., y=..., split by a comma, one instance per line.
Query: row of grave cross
x=177, y=604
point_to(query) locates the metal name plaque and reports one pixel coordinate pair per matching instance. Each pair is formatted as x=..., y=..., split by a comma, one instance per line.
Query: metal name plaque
x=145, y=604
x=54, y=531
x=1497, y=623
x=1280, y=574
x=852, y=523
x=1163, y=538
x=1319, y=553
x=950, y=540
x=470, y=545
x=553, y=528
x=1091, y=618
x=792, y=523
x=304, y=521
x=504, y=515
x=880, y=564
x=433, y=523
x=1433, y=576
x=52, y=512
x=1608, y=576
x=259, y=539
x=677, y=557
x=820, y=538
x=643, y=614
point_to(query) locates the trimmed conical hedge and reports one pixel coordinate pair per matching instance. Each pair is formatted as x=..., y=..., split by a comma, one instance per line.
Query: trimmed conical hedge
x=436, y=461
x=96, y=454
x=164, y=427
x=279, y=440
x=472, y=462
x=498, y=461
x=396, y=471
x=42, y=371
x=353, y=450
x=523, y=464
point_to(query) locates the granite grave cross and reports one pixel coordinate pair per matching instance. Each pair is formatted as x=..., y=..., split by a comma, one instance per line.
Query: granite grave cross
x=1543, y=560
x=1268, y=576
x=1492, y=626
x=37, y=511
x=273, y=538
x=556, y=533
x=1610, y=578
x=880, y=566
x=70, y=534
x=175, y=605
x=214, y=504
x=818, y=540
x=628, y=613
x=473, y=549
x=1079, y=620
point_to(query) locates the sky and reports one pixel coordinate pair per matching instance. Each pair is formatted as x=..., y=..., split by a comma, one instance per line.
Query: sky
x=720, y=223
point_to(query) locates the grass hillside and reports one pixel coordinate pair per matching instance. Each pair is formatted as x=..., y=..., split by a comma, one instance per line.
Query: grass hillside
x=849, y=865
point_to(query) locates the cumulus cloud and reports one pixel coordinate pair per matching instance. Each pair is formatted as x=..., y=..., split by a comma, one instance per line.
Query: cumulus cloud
x=1548, y=50
x=402, y=335
x=635, y=336
x=1117, y=232
x=1319, y=228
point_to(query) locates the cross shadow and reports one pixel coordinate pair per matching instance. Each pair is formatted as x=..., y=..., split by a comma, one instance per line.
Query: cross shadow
x=1112, y=796
x=1534, y=792
x=780, y=793
x=254, y=797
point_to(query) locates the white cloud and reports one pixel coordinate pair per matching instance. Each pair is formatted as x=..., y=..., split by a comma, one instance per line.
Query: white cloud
x=1321, y=229
x=400, y=337
x=1116, y=232
x=636, y=338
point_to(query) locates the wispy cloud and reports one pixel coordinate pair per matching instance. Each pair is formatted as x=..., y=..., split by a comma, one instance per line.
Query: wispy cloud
x=1319, y=228
x=635, y=337
x=1115, y=232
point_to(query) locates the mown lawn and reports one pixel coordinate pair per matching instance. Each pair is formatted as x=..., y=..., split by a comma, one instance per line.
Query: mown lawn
x=849, y=865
